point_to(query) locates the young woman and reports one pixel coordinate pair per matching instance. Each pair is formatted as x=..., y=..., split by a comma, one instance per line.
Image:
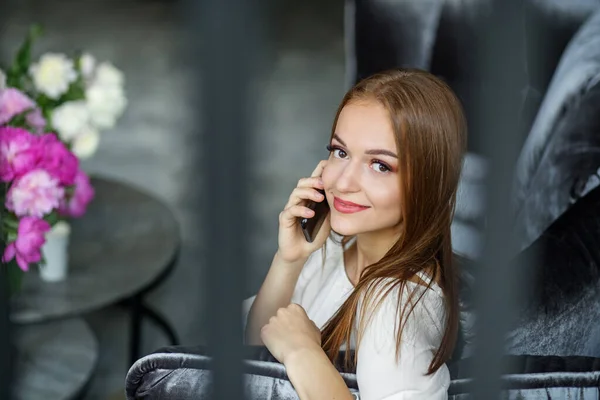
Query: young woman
x=379, y=276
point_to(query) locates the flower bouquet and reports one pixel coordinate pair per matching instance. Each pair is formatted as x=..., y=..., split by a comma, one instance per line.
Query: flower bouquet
x=51, y=113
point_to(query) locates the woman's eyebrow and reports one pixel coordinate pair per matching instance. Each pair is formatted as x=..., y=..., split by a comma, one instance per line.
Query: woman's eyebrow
x=336, y=137
x=381, y=152
x=370, y=152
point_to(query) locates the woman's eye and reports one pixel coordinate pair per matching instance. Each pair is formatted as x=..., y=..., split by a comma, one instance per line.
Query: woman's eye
x=339, y=153
x=380, y=167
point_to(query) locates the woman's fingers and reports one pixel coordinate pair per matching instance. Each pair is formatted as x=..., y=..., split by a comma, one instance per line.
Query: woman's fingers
x=313, y=182
x=299, y=195
x=289, y=216
x=319, y=170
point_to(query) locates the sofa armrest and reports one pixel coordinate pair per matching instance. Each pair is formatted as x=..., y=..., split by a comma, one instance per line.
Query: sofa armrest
x=533, y=377
x=179, y=372
x=184, y=373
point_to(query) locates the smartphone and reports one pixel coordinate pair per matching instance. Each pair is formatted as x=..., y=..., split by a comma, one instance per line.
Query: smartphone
x=310, y=226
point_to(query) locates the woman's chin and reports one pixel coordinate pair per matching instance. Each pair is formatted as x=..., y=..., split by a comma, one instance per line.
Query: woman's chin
x=343, y=227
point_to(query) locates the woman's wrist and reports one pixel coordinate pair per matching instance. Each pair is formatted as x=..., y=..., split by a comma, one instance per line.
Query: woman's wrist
x=314, y=376
x=300, y=356
x=290, y=264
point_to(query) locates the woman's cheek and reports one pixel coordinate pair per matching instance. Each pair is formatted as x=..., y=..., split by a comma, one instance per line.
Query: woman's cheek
x=328, y=176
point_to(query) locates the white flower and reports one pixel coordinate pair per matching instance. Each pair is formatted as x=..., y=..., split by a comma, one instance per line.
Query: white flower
x=2, y=80
x=53, y=74
x=87, y=63
x=105, y=96
x=70, y=119
x=106, y=103
x=108, y=75
x=86, y=143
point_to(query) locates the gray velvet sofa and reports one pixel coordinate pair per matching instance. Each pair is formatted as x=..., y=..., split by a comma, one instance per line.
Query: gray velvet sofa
x=554, y=346
x=559, y=360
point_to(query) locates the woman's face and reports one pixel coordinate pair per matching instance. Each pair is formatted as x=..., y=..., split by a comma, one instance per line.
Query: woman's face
x=361, y=177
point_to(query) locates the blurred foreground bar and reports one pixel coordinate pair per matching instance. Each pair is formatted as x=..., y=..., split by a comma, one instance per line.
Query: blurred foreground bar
x=224, y=43
x=5, y=328
x=501, y=62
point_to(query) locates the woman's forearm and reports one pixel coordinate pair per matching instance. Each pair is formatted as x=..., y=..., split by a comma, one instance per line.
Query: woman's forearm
x=275, y=292
x=314, y=377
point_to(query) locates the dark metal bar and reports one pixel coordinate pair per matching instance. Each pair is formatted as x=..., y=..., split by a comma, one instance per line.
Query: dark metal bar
x=224, y=42
x=500, y=282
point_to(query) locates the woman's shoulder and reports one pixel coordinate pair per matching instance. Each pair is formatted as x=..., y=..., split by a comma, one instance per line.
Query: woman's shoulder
x=419, y=309
x=390, y=290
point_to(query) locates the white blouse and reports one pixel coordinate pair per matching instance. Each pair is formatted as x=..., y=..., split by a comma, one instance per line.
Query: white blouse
x=322, y=288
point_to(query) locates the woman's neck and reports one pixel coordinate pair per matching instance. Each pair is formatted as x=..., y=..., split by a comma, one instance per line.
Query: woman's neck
x=368, y=249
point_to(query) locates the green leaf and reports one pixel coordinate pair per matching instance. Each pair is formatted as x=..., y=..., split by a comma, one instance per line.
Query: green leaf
x=52, y=218
x=69, y=190
x=16, y=75
x=24, y=53
x=10, y=220
x=10, y=224
x=20, y=120
x=75, y=92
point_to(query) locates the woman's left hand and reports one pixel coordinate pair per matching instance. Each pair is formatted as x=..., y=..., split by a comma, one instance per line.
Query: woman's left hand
x=290, y=330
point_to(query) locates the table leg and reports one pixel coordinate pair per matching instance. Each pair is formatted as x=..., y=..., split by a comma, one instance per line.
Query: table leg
x=162, y=323
x=135, y=335
x=138, y=310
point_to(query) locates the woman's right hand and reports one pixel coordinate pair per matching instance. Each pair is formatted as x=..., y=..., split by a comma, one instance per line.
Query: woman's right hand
x=293, y=247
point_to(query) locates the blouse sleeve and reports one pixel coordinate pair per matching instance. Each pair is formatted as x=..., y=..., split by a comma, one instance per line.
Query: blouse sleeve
x=380, y=375
x=307, y=275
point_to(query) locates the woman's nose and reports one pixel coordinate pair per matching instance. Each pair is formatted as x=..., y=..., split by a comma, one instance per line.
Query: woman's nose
x=348, y=180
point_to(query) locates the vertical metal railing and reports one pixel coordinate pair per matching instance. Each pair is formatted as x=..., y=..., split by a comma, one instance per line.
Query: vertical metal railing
x=224, y=45
x=499, y=280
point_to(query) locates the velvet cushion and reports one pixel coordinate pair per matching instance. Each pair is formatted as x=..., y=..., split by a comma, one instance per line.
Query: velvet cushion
x=550, y=25
x=561, y=151
x=390, y=34
x=558, y=314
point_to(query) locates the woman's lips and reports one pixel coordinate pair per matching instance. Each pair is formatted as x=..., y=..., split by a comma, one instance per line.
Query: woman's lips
x=347, y=207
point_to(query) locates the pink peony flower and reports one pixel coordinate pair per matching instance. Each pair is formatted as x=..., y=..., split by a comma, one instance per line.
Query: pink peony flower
x=34, y=194
x=56, y=158
x=13, y=102
x=19, y=152
x=27, y=247
x=83, y=194
x=36, y=120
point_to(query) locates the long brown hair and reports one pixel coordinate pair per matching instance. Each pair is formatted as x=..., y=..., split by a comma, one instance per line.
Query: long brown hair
x=430, y=133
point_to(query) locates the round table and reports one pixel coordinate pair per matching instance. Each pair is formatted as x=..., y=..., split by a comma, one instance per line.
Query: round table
x=54, y=360
x=125, y=245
